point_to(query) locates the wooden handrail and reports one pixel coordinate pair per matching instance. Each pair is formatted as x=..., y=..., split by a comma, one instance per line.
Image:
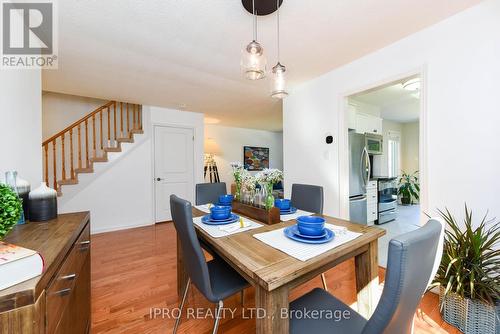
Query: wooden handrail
x=80, y=121
x=94, y=147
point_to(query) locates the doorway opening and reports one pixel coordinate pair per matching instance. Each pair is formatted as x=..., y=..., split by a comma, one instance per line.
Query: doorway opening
x=384, y=150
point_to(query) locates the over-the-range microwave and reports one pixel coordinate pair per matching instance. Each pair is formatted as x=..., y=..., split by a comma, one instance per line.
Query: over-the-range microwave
x=374, y=143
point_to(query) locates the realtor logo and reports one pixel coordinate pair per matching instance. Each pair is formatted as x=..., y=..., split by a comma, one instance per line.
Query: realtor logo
x=28, y=34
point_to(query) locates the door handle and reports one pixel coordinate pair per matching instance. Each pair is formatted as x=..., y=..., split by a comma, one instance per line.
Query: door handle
x=159, y=179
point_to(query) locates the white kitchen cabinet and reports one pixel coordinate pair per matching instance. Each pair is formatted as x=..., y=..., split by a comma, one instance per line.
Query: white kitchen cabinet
x=351, y=116
x=371, y=202
x=366, y=123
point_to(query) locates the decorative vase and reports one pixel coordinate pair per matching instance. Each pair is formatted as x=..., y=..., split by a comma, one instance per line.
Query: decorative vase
x=43, y=203
x=468, y=315
x=237, y=194
x=269, y=198
x=23, y=190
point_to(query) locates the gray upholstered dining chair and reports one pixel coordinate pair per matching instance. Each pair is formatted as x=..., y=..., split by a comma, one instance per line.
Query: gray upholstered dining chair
x=309, y=198
x=215, y=279
x=209, y=192
x=411, y=262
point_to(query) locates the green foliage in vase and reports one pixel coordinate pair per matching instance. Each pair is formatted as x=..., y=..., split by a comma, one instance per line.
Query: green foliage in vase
x=470, y=266
x=409, y=187
x=10, y=209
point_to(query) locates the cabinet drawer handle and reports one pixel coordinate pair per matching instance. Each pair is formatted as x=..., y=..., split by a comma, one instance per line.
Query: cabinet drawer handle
x=85, y=245
x=68, y=277
x=63, y=292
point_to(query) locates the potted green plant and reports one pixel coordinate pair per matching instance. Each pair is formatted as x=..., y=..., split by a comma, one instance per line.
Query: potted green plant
x=469, y=274
x=10, y=209
x=409, y=189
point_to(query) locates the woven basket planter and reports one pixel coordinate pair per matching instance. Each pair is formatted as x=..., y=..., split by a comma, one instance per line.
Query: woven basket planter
x=470, y=316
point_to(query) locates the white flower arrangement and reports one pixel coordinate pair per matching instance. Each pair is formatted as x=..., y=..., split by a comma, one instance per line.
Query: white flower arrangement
x=269, y=175
x=237, y=171
x=248, y=181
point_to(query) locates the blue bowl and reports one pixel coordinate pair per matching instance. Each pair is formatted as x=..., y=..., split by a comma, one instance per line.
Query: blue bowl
x=220, y=212
x=283, y=204
x=226, y=199
x=311, y=225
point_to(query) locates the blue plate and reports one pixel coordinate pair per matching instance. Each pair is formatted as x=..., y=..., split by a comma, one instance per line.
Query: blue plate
x=290, y=234
x=288, y=212
x=295, y=230
x=209, y=221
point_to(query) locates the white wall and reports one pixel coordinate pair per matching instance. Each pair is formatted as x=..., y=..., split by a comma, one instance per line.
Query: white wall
x=460, y=62
x=410, y=147
x=21, y=124
x=231, y=140
x=61, y=110
x=120, y=193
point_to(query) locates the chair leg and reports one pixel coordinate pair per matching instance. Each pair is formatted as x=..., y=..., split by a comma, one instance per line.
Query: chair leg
x=181, y=306
x=323, y=279
x=217, y=316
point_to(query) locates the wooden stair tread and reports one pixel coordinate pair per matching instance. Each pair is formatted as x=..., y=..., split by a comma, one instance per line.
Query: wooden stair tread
x=113, y=149
x=67, y=182
x=125, y=140
x=99, y=159
x=84, y=170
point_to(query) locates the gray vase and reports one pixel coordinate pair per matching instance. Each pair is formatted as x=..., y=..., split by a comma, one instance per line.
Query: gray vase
x=43, y=203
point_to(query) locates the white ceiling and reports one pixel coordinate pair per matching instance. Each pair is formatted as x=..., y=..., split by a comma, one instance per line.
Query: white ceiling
x=394, y=102
x=185, y=53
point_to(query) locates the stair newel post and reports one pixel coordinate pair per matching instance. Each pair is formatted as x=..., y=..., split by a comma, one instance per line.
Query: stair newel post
x=63, y=158
x=135, y=122
x=140, y=117
x=71, y=156
x=128, y=122
x=121, y=119
x=87, y=162
x=79, y=147
x=46, y=150
x=109, y=127
x=114, y=120
x=93, y=136
x=55, y=162
x=101, y=133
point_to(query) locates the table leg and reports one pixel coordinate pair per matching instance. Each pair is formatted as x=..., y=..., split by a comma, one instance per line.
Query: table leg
x=367, y=279
x=182, y=277
x=272, y=302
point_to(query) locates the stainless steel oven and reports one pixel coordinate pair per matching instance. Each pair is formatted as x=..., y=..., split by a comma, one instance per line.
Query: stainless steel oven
x=387, y=199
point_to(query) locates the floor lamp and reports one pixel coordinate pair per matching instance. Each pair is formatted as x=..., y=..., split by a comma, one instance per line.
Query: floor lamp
x=211, y=148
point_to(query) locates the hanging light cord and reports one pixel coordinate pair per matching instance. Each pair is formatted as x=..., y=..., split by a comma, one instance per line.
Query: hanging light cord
x=278, y=22
x=254, y=21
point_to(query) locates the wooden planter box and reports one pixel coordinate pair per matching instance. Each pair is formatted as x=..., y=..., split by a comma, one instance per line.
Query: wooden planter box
x=268, y=217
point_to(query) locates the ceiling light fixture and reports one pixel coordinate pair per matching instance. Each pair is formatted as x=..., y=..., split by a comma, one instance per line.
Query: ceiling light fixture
x=412, y=84
x=278, y=75
x=253, y=61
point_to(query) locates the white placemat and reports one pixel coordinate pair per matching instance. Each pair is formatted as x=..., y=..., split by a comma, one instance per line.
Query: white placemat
x=218, y=231
x=204, y=207
x=285, y=218
x=302, y=251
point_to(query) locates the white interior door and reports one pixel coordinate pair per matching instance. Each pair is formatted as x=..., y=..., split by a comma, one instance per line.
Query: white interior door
x=173, y=167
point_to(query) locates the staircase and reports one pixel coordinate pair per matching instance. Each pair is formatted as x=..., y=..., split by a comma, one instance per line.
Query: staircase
x=77, y=148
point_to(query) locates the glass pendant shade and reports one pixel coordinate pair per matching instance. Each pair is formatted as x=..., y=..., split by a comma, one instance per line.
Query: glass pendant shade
x=253, y=62
x=278, y=82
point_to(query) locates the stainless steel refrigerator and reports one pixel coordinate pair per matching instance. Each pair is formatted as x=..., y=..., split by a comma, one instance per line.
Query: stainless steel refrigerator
x=359, y=175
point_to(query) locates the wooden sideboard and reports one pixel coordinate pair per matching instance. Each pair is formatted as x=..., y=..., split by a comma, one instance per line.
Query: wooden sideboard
x=58, y=301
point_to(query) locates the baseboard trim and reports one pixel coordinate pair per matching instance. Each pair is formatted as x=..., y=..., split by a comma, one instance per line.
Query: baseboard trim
x=118, y=228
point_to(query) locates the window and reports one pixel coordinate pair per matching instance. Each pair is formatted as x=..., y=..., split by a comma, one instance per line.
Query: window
x=393, y=153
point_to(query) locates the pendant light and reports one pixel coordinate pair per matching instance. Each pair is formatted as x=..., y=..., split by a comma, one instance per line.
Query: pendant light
x=253, y=62
x=278, y=75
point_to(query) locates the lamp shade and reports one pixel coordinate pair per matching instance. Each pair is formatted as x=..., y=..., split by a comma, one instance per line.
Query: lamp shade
x=278, y=82
x=253, y=61
x=211, y=147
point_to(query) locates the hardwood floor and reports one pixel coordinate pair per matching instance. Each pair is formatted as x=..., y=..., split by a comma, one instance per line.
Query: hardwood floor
x=135, y=270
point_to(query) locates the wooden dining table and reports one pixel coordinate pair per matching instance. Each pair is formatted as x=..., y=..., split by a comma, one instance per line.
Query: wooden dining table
x=274, y=273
